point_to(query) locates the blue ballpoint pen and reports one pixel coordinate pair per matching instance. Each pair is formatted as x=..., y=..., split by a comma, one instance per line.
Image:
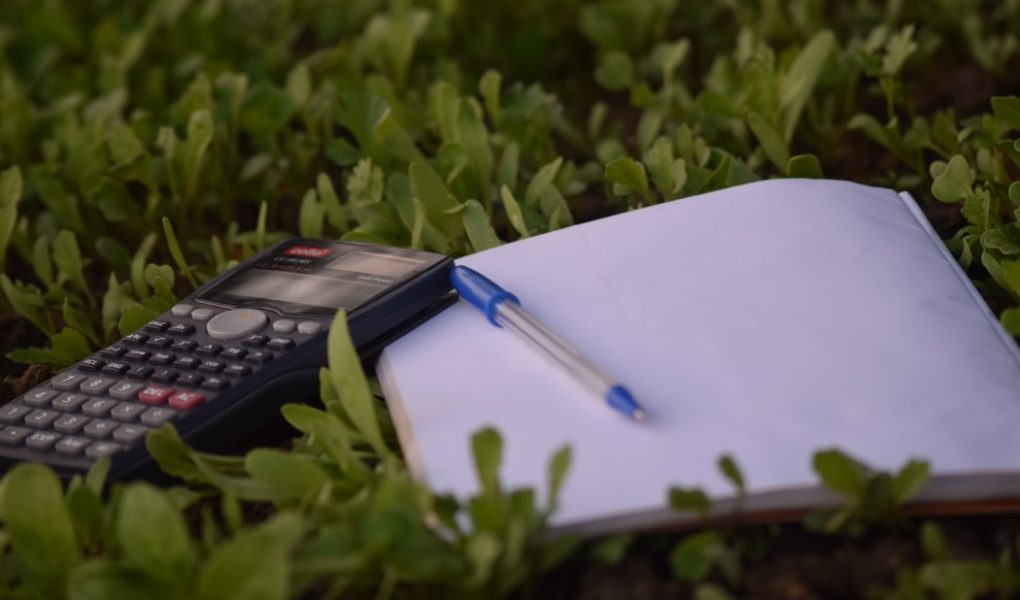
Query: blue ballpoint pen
x=503, y=309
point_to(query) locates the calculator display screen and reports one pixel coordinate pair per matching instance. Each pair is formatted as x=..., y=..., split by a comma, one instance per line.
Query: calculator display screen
x=315, y=280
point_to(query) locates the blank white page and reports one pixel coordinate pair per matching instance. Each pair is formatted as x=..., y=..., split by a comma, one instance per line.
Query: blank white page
x=767, y=321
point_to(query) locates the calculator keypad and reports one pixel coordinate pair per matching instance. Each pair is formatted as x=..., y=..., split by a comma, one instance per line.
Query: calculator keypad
x=172, y=365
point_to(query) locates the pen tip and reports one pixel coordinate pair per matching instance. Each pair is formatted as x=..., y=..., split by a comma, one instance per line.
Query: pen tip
x=638, y=414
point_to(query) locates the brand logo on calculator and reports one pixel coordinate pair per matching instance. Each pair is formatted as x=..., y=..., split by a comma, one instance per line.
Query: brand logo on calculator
x=307, y=251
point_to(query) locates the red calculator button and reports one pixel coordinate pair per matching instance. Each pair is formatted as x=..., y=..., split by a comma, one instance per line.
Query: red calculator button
x=154, y=394
x=186, y=400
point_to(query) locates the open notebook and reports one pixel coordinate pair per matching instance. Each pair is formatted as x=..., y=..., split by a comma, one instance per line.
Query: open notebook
x=767, y=321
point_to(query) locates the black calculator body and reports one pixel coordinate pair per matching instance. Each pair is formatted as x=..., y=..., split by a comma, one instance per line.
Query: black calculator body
x=220, y=363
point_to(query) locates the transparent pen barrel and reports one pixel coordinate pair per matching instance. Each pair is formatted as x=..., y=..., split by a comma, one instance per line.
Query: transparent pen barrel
x=556, y=348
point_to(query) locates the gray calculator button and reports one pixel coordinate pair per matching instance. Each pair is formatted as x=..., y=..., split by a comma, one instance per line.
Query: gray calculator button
x=41, y=418
x=308, y=327
x=69, y=401
x=202, y=314
x=181, y=310
x=39, y=397
x=101, y=449
x=127, y=412
x=12, y=436
x=284, y=326
x=126, y=390
x=42, y=440
x=13, y=413
x=129, y=434
x=98, y=407
x=100, y=429
x=97, y=386
x=154, y=417
x=236, y=323
x=70, y=423
x=67, y=382
x=72, y=446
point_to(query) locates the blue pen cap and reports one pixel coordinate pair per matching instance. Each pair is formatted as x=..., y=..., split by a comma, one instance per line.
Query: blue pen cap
x=480, y=291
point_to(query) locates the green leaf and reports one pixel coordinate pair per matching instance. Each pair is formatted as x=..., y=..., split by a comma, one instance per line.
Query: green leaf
x=349, y=381
x=489, y=87
x=629, y=174
x=659, y=160
x=841, y=473
x=175, y=251
x=68, y=346
x=331, y=203
x=611, y=550
x=693, y=558
x=799, y=81
x=806, y=166
x=770, y=139
x=910, y=479
x=959, y=580
x=934, y=542
x=255, y=565
x=266, y=109
x=10, y=193
x=153, y=536
x=37, y=522
x=955, y=182
x=478, y=227
x=615, y=72
x=103, y=579
x=472, y=135
x=291, y=475
x=67, y=257
x=430, y=189
x=731, y=471
x=192, y=152
x=27, y=302
x=311, y=215
x=559, y=464
x=1010, y=319
x=689, y=500
x=542, y=182
x=1007, y=109
x=487, y=450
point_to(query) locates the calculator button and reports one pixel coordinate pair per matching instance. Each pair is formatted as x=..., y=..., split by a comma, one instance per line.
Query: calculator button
x=154, y=417
x=186, y=400
x=309, y=327
x=41, y=419
x=138, y=355
x=116, y=368
x=135, y=339
x=42, y=440
x=128, y=412
x=13, y=413
x=182, y=329
x=165, y=376
x=215, y=383
x=192, y=379
x=202, y=314
x=255, y=340
x=259, y=357
x=236, y=323
x=91, y=364
x=284, y=325
x=184, y=345
x=160, y=341
x=115, y=351
x=97, y=386
x=125, y=390
x=212, y=366
x=97, y=407
x=13, y=436
x=157, y=326
x=279, y=343
x=140, y=372
x=67, y=381
x=101, y=449
x=209, y=349
x=129, y=434
x=162, y=358
x=181, y=310
x=72, y=446
x=187, y=362
x=100, y=429
x=70, y=423
x=69, y=401
x=235, y=353
x=237, y=370
x=154, y=394
x=41, y=397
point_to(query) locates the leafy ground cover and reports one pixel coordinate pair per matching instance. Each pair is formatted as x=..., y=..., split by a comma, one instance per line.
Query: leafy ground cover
x=145, y=147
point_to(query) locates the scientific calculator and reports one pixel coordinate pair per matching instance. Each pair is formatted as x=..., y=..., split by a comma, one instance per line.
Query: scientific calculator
x=219, y=364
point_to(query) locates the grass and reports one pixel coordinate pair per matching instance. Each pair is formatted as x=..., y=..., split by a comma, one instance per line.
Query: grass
x=145, y=147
